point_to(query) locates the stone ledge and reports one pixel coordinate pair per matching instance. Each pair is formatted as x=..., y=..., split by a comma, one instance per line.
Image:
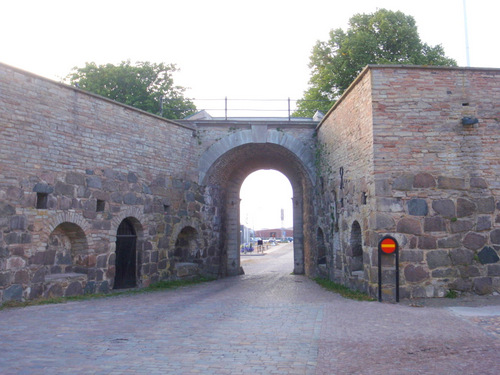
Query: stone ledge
x=64, y=276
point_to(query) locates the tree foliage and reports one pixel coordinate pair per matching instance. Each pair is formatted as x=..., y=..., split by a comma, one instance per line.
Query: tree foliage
x=383, y=37
x=147, y=86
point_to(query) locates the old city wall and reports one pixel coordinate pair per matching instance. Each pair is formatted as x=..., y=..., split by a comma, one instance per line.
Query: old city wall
x=345, y=163
x=430, y=180
x=398, y=154
x=73, y=166
x=437, y=177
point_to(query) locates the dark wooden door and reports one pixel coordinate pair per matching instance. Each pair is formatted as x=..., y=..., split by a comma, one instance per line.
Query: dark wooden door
x=125, y=273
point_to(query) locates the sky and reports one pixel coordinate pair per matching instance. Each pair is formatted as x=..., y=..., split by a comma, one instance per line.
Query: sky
x=237, y=49
x=261, y=203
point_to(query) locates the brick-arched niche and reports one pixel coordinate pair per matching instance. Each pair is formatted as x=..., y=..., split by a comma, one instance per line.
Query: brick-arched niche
x=68, y=247
x=227, y=173
x=62, y=267
x=187, y=254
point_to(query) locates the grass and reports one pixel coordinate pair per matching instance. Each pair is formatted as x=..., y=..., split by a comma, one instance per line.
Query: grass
x=155, y=287
x=343, y=290
x=451, y=294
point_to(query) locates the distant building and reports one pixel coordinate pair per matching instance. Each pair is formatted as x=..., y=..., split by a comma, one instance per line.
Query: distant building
x=274, y=233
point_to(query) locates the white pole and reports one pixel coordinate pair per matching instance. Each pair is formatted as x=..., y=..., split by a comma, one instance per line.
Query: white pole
x=466, y=36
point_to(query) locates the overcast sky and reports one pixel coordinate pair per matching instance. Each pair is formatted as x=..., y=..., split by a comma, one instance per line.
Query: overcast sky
x=255, y=49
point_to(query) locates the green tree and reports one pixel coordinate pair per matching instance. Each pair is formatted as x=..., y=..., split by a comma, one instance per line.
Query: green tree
x=147, y=86
x=383, y=37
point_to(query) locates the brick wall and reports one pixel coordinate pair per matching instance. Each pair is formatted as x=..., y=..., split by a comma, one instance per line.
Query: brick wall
x=431, y=181
x=48, y=126
x=437, y=180
x=392, y=157
x=345, y=162
x=94, y=163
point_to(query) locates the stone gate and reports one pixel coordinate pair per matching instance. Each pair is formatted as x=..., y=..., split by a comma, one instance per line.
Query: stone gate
x=96, y=195
x=231, y=150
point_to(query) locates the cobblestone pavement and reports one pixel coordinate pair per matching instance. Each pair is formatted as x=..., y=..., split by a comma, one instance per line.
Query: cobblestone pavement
x=267, y=321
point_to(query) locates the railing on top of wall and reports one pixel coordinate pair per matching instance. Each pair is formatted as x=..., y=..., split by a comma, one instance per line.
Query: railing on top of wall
x=246, y=107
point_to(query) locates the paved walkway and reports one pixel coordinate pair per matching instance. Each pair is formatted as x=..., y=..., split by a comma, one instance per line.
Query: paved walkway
x=267, y=321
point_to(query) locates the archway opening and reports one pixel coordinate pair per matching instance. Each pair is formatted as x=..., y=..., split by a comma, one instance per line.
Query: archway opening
x=225, y=177
x=126, y=256
x=266, y=215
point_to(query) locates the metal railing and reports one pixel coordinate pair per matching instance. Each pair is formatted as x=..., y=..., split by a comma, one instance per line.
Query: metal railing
x=224, y=106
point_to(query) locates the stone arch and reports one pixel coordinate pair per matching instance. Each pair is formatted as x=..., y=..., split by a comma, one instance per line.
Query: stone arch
x=232, y=160
x=355, y=248
x=218, y=149
x=183, y=223
x=135, y=214
x=66, y=217
x=67, y=250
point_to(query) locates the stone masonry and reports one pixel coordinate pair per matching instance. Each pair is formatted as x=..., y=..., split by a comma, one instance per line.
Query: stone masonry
x=413, y=167
x=400, y=153
x=73, y=167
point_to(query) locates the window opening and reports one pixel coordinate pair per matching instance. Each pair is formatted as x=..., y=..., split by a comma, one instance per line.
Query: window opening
x=42, y=200
x=100, y=205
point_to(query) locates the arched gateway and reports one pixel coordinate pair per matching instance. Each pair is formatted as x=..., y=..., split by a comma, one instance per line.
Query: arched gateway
x=372, y=166
x=229, y=161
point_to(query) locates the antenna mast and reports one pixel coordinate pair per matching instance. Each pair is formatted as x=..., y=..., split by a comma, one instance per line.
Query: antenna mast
x=466, y=35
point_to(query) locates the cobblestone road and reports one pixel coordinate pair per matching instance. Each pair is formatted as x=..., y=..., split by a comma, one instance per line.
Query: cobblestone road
x=265, y=322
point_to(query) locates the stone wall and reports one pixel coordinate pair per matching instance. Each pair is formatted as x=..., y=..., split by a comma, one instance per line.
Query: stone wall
x=233, y=149
x=73, y=167
x=438, y=180
x=346, y=187
x=400, y=153
x=431, y=180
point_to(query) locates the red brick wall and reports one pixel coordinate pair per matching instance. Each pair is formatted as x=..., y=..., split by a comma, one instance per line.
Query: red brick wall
x=417, y=121
x=437, y=181
x=53, y=127
x=432, y=182
x=82, y=149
